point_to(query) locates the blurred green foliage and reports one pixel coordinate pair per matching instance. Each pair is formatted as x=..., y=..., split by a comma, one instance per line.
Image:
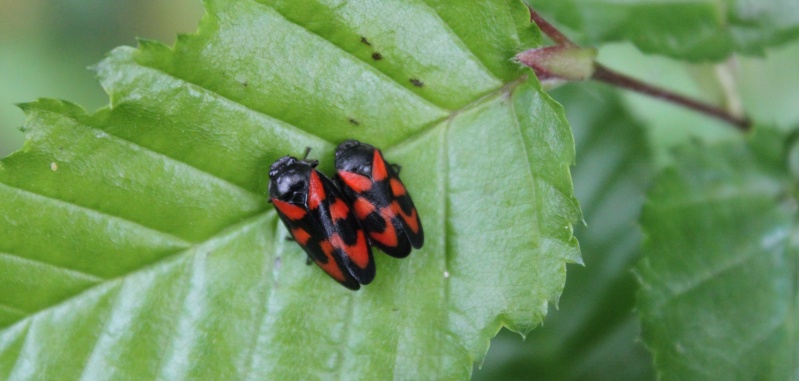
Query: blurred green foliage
x=46, y=47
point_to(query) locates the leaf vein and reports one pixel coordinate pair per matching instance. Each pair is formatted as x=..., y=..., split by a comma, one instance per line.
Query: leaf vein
x=137, y=147
x=224, y=98
x=344, y=350
x=762, y=337
x=253, y=347
x=94, y=355
x=445, y=238
x=438, y=123
x=16, y=367
x=711, y=274
x=98, y=213
x=223, y=234
x=12, y=309
x=69, y=271
x=533, y=188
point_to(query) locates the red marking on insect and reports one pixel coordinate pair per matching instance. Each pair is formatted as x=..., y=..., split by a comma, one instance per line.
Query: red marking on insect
x=410, y=219
x=316, y=192
x=339, y=210
x=362, y=208
x=337, y=242
x=331, y=267
x=388, y=236
x=291, y=211
x=357, y=182
x=379, y=171
x=358, y=253
x=301, y=236
x=397, y=188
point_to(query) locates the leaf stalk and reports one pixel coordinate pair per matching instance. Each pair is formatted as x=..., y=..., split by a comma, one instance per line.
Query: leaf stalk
x=604, y=74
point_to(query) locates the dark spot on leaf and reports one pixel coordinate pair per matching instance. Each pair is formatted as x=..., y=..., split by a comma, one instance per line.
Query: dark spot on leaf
x=365, y=41
x=355, y=121
x=417, y=82
x=377, y=56
x=244, y=83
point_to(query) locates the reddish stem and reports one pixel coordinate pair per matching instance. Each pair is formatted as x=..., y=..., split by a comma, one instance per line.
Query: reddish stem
x=549, y=29
x=611, y=77
x=603, y=74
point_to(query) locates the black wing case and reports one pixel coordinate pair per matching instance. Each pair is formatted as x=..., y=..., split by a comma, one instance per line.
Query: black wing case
x=343, y=233
x=379, y=199
x=406, y=210
x=329, y=233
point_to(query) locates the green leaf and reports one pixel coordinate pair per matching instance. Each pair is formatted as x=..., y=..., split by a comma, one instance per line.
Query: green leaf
x=693, y=30
x=718, y=297
x=593, y=334
x=136, y=243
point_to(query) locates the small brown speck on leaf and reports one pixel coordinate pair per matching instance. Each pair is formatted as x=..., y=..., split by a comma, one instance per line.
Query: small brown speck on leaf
x=365, y=41
x=416, y=82
x=377, y=56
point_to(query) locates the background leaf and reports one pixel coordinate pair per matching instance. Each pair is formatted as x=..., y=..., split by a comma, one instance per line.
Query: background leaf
x=718, y=297
x=692, y=30
x=136, y=242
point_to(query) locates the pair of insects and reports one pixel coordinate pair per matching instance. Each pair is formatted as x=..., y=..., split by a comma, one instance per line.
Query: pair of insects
x=338, y=221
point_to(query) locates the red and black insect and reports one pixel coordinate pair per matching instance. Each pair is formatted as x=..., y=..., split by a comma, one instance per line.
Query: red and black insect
x=320, y=220
x=379, y=198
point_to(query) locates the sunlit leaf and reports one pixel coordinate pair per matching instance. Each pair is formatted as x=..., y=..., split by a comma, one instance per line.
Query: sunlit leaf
x=136, y=243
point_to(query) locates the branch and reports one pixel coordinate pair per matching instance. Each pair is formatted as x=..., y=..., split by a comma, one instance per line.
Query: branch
x=603, y=74
x=549, y=29
x=606, y=75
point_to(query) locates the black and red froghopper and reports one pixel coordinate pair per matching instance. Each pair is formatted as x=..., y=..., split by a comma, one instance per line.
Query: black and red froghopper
x=379, y=198
x=321, y=221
